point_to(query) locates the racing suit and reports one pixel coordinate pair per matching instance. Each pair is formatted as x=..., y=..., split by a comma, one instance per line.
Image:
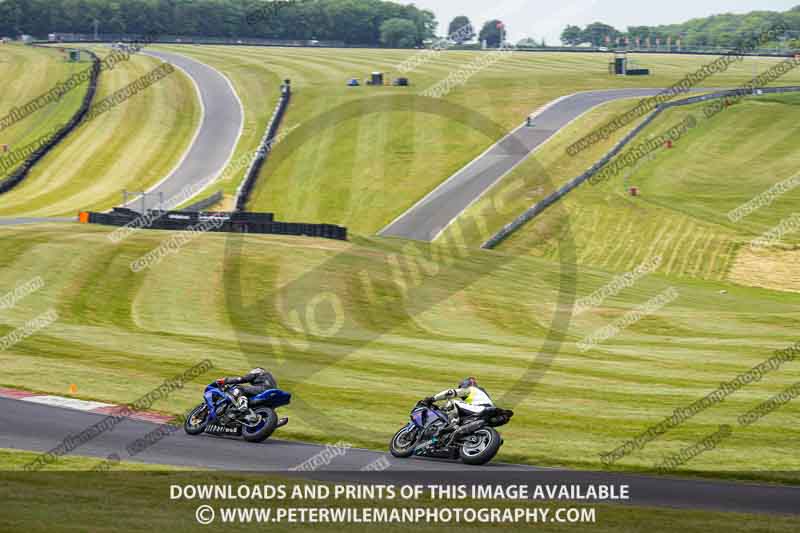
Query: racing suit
x=258, y=384
x=471, y=400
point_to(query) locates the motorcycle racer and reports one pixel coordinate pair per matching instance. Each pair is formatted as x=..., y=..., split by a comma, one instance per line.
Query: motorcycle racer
x=469, y=398
x=259, y=381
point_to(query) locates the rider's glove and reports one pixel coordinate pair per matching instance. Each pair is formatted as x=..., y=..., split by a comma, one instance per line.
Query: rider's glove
x=221, y=382
x=428, y=401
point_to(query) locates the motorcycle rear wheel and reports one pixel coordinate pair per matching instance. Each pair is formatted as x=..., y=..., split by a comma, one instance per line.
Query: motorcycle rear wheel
x=402, y=444
x=262, y=431
x=481, y=446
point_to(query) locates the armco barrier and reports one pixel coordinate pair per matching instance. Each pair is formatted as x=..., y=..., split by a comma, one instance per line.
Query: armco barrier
x=264, y=149
x=538, y=208
x=236, y=222
x=22, y=171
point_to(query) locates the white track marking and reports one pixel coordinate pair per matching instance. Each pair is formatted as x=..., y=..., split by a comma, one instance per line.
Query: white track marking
x=67, y=403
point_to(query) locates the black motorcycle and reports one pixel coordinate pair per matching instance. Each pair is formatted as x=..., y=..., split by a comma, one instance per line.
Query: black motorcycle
x=429, y=434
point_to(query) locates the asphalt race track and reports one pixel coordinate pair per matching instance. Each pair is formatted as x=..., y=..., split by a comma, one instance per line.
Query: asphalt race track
x=215, y=139
x=38, y=427
x=425, y=220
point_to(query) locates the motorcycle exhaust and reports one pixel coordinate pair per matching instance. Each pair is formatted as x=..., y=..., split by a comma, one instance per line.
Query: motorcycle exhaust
x=469, y=428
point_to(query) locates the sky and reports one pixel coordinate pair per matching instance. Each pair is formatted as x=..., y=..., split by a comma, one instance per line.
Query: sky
x=547, y=19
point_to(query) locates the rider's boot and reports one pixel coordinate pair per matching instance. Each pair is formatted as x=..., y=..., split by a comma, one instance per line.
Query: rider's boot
x=241, y=404
x=244, y=410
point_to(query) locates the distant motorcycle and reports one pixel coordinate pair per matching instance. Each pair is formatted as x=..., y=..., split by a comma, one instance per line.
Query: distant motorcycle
x=218, y=414
x=474, y=440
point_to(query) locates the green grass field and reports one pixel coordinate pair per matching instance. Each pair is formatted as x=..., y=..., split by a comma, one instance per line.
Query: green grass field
x=485, y=314
x=31, y=72
x=56, y=501
x=425, y=323
x=686, y=194
x=132, y=146
x=372, y=165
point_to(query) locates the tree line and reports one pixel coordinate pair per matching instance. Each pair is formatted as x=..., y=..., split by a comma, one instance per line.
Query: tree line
x=366, y=22
x=726, y=30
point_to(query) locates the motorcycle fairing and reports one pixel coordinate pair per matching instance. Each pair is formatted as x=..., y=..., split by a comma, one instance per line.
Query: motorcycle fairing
x=210, y=395
x=271, y=398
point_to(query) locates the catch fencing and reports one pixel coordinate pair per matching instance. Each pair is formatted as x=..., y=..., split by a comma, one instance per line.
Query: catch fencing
x=22, y=171
x=540, y=207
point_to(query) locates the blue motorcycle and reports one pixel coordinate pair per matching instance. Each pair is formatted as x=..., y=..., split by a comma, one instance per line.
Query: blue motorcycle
x=219, y=416
x=430, y=434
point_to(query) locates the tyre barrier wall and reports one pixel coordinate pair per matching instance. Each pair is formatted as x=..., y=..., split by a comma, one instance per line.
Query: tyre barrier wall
x=236, y=222
x=538, y=208
x=264, y=149
x=22, y=171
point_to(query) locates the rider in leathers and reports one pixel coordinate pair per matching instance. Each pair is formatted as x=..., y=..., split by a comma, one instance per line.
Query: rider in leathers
x=259, y=381
x=468, y=398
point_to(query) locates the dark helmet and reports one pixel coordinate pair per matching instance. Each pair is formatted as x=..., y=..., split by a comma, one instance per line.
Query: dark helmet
x=468, y=382
x=262, y=376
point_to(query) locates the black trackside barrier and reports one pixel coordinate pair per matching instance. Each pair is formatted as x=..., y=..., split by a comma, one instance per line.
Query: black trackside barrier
x=264, y=149
x=197, y=216
x=236, y=222
x=540, y=207
x=22, y=171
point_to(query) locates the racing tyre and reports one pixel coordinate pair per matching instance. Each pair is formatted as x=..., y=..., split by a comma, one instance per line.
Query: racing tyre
x=197, y=420
x=481, y=446
x=261, y=431
x=403, y=442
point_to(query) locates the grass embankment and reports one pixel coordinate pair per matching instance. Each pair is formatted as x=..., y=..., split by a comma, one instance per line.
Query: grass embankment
x=27, y=73
x=364, y=171
x=132, y=146
x=486, y=314
x=125, y=500
x=686, y=194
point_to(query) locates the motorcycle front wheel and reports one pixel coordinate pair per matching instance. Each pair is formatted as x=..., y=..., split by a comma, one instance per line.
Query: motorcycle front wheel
x=197, y=420
x=402, y=444
x=481, y=446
